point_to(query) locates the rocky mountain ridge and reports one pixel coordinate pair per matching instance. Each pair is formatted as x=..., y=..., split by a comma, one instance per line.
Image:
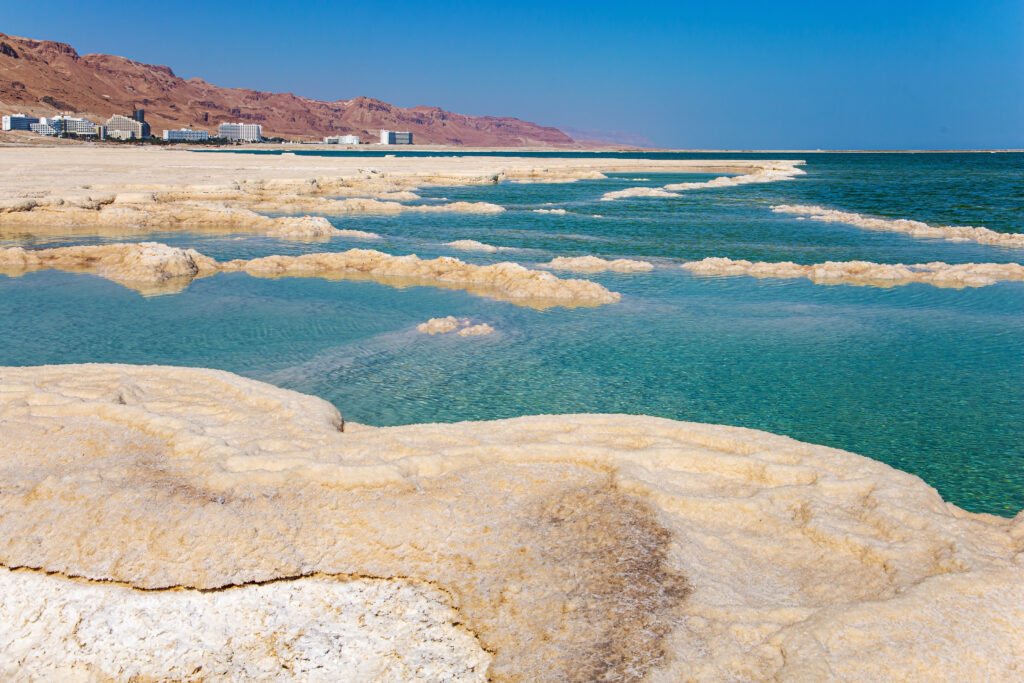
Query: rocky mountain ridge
x=43, y=78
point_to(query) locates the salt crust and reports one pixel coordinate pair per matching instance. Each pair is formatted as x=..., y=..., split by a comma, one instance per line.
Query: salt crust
x=471, y=245
x=477, y=330
x=593, y=264
x=310, y=629
x=451, y=323
x=574, y=547
x=952, y=233
x=235, y=207
x=557, y=212
x=442, y=325
x=866, y=273
x=154, y=268
x=766, y=174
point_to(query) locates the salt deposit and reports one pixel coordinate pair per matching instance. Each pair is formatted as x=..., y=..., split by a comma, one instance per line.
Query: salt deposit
x=557, y=212
x=442, y=325
x=952, y=233
x=593, y=264
x=637, y=192
x=574, y=547
x=471, y=245
x=388, y=630
x=451, y=323
x=867, y=273
x=507, y=281
x=476, y=330
x=154, y=268
x=764, y=175
x=148, y=267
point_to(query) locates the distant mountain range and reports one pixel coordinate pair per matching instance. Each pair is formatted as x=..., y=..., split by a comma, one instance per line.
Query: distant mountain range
x=44, y=78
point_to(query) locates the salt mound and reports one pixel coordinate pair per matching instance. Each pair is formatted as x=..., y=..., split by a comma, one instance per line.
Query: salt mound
x=866, y=273
x=148, y=267
x=952, y=233
x=471, y=245
x=574, y=547
x=593, y=264
x=451, y=323
x=476, y=330
x=442, y=325
x=637, y=192
x=557, y=212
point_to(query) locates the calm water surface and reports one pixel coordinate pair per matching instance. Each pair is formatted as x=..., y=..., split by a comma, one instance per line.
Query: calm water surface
x=928, y=380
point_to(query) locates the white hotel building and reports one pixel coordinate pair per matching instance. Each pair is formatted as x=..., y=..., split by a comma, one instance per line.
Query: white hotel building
x=186, y=135
x=342, y=140
x=19, y=122
x=241, y=132
x=390, y=137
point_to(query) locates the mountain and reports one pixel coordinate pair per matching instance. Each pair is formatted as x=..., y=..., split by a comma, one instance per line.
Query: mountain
x=43, y=78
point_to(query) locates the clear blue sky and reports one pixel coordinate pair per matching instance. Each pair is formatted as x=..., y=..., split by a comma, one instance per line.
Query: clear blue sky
x=696, y=75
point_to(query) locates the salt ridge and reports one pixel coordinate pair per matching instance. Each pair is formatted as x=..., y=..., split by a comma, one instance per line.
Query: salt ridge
x=154, y=268
x=866, y=273
x=952, y=233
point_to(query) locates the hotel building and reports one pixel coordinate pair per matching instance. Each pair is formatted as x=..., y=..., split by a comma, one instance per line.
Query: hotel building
x=241, y=132
x=186, y=135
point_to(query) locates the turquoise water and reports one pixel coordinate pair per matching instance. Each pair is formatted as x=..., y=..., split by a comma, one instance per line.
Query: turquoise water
x=928, y=380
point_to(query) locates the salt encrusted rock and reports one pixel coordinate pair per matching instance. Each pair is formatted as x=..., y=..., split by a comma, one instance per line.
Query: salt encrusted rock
x=154, y=268
x=866, y=273
x=573, y=546
x=952, y=233
x=593, y=264
x=442, y=325
x=471, y=245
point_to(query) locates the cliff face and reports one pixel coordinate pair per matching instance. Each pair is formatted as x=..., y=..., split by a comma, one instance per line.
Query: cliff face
x=40, y=77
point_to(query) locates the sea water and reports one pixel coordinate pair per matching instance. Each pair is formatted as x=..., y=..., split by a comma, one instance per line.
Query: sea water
x=928, y=380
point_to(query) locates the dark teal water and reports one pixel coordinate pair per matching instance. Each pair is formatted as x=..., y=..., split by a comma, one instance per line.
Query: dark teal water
x=928, y=380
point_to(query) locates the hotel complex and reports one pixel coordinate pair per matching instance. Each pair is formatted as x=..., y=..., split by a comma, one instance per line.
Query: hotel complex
x=134, y=127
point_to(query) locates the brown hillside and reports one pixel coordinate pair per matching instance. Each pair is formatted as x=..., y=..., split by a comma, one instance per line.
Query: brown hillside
x=43, y=78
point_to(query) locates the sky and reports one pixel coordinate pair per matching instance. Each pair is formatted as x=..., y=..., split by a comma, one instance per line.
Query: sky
x=707, y=75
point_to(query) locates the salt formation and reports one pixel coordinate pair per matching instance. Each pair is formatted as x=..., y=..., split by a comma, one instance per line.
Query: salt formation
x=442, y=325
x=763, y=175
x=574, y=547
x=390, y=630
x=952, y=233
x=471, y=245
x=593, y=264
x=637, y=192
x=867, y=273
x=557, y=212
x=451, y=323
x=154, y=268
x=148, y=267
x=507, y=281
x=476, y=330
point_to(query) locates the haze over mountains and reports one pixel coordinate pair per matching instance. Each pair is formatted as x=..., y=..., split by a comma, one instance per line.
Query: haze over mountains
x=40, y=77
